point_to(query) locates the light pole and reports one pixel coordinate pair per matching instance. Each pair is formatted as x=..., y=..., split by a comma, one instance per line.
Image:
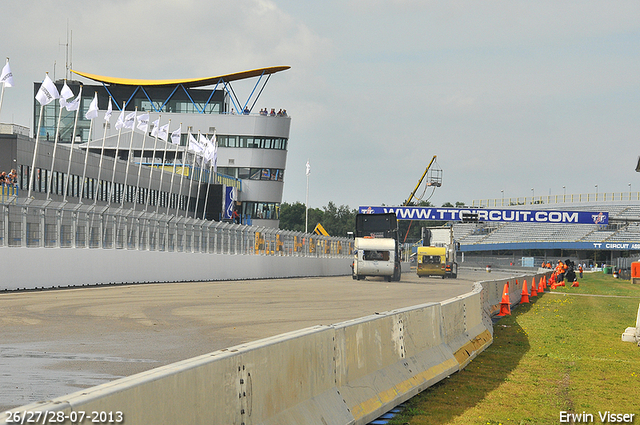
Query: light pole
x=502, y=191
x=629, y=191
x=532, y=195
x=564, y=193
x=596, y=192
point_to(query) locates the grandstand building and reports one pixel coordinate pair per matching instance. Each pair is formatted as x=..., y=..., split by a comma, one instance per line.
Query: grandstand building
x=616, y=242
x=131, y=165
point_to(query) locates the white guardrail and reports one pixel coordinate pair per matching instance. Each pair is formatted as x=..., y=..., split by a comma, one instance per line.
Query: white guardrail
x=81, y=245
x=347, y=373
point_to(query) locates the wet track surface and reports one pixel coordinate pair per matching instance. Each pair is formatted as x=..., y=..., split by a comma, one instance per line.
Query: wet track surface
x=57, y=342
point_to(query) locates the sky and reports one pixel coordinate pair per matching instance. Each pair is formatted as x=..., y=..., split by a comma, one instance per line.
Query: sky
x=515, y=98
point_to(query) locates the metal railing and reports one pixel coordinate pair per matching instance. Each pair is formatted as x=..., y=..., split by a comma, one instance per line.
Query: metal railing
x=84, y=226
x=8, y=193
x=557, y=199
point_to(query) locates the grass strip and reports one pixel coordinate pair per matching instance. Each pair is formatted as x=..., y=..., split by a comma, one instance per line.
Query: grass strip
x=561, y=353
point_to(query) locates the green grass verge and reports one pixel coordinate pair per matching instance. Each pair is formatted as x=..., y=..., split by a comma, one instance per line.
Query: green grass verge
x=562, y=352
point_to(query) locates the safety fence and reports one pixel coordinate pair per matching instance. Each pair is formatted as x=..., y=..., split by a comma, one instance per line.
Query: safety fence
x=85, y=226
x=8, y=193
x=557, y=199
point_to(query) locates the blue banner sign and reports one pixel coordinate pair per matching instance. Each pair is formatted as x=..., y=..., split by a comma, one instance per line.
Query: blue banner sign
x=491, y=215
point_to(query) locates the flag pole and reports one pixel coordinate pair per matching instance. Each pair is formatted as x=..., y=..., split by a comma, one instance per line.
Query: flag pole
x=153, y=159
x=144, y=140
x=86, y=159
x=193, y=171
x=73, y=139
x=130, y=155
x=214, y=140
x=115, y=159
x=104, y=137
x=2, y=95
x=200, y=176
x=35, y=153
x=186, y=151
x=3, y=85
x=306, y=212
x=55, y=147
x=175, y=158
x=164, y=158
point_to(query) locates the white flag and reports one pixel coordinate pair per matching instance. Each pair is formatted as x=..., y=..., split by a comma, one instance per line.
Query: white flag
x=107, y=115
x=209, y=149
x=308, y=168
x=154, y=130
x=6, y=77
x=194, y=145
x=73, y=105
x=130, y=120
x=214, y=141
x=143, y=123
x=160, y=132
x=66, y=92
x=120, y=120
x=176, y=136
x=93, y=108
x=47, y=92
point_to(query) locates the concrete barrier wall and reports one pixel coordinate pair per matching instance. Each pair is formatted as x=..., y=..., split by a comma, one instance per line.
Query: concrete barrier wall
x=347, y=373
x=76, y=267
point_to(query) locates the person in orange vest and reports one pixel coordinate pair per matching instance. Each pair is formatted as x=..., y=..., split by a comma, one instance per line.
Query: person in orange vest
x=560, y=272
x=580, y=270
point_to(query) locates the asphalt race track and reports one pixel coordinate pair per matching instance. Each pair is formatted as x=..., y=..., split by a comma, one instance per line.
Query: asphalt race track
x=55, y=342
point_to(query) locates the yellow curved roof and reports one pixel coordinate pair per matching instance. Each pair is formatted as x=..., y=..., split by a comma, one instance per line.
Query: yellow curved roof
x=193, y=82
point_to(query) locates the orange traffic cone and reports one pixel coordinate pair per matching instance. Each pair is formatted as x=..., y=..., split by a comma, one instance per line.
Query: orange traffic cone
x=534, y=292
x=540, y=287
x=505, y=304
x=575, y=284
x=524, y=297
x=544, y=281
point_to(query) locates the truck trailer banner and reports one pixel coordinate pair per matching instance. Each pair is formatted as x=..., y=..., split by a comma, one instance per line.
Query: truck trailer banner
x=491, y=215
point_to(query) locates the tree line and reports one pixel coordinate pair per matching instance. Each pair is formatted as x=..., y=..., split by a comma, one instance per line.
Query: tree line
x=339, y=220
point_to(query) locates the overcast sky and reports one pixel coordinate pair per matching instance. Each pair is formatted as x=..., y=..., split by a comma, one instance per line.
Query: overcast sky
x=510, y=95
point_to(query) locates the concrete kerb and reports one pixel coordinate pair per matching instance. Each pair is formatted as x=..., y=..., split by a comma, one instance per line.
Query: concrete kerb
x=346, y=373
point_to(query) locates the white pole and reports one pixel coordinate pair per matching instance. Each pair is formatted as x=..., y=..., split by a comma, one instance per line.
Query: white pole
x=153, y=158
x=144, y=140
x=191, y=173
x=175, y=158
x=2, y=95
x=130, y=156
x=202, y=162
x=73, y=139
x=86, y=159
x=104, y=137
x=164, y=158
x=184, y=156
x=35, y=153
x=53, y=155
x=115, y=160
x=306, y=210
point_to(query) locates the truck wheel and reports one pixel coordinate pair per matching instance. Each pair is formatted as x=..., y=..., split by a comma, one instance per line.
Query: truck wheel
x=443, y=276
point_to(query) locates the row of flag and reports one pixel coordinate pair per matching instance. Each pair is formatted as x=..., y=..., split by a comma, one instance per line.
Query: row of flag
x=49, y=92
